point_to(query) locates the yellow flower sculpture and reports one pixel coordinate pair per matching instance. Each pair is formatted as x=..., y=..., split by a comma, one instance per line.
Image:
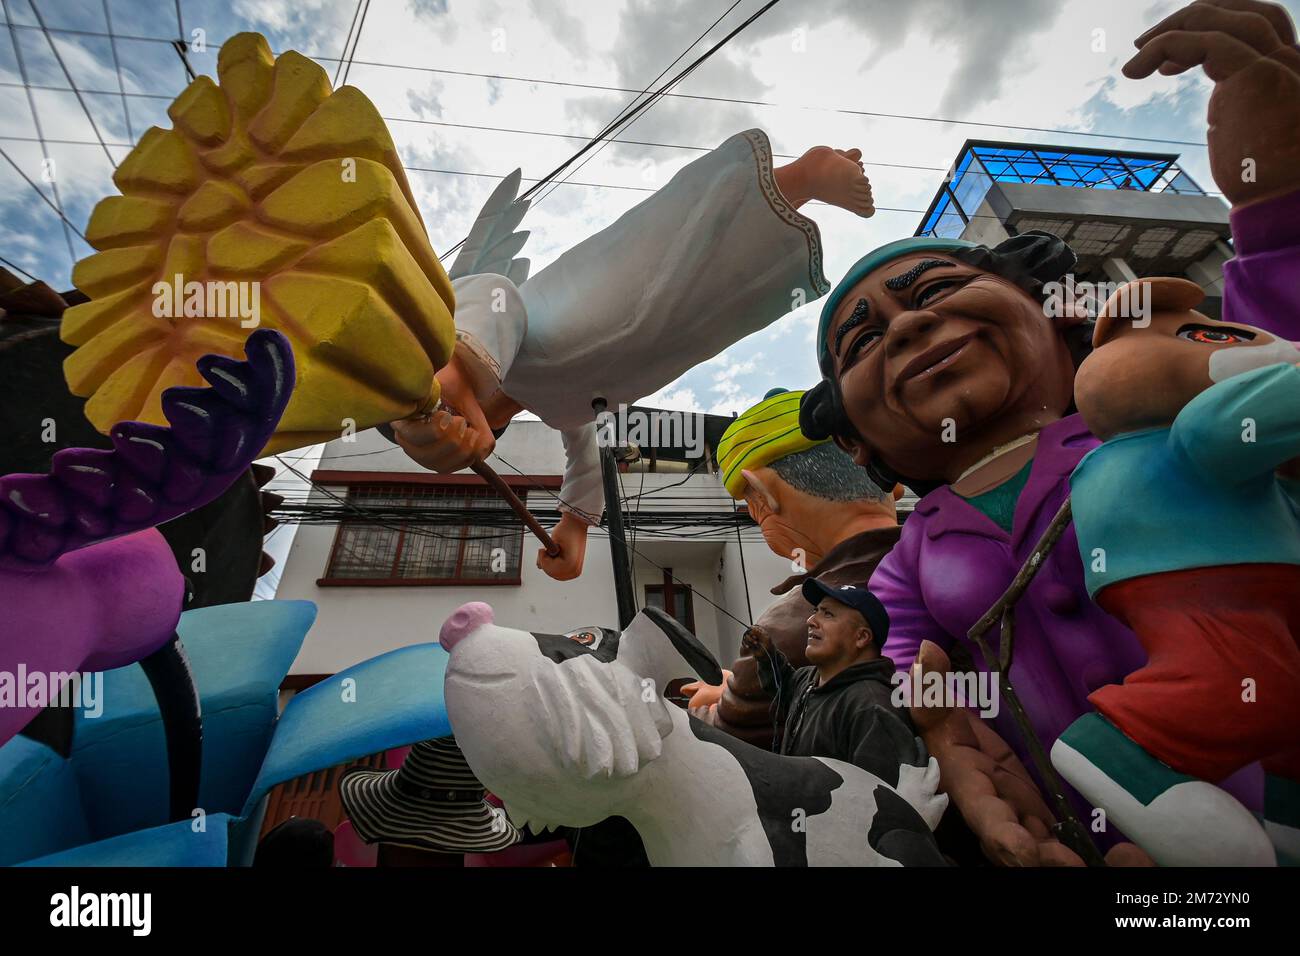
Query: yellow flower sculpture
x=277, y=203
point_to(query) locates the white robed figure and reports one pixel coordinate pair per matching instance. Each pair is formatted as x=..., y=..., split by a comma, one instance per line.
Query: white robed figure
x=719, y=252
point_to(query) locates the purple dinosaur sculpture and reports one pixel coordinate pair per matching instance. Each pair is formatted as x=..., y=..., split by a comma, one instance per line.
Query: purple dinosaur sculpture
x=86, y=582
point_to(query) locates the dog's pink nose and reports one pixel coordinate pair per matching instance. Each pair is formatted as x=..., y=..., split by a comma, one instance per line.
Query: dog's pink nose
x=466, y=619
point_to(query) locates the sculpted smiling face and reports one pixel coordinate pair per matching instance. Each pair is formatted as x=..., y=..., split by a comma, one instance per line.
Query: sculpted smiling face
x=926, y=344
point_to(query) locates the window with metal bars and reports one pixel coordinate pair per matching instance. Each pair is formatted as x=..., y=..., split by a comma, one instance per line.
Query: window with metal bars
x=426, y=535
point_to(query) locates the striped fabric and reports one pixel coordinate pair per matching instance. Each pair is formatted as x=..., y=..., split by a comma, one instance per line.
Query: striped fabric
x=432, y=802
x=764, y=433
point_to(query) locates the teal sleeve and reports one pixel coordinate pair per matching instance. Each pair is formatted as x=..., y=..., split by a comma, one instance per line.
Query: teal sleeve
x=1242, y=427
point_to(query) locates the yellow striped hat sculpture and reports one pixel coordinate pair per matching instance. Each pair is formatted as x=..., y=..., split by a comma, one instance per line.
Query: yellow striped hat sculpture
x=274, y=202
x=763, y=434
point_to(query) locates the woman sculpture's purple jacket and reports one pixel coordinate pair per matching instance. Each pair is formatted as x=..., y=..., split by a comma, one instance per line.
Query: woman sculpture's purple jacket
x=952, y=563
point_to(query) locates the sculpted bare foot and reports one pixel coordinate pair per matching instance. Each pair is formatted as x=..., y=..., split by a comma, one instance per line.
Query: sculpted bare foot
x=835, y=176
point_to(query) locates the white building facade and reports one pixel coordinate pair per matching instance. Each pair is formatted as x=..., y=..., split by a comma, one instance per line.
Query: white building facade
x=384, y=578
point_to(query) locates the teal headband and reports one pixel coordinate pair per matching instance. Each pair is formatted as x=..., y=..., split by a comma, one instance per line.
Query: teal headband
x=877, y=257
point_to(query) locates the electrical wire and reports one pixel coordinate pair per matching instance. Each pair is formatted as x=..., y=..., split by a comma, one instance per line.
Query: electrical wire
x=367, y=514
x=40, y=133
x=692, y=96
x=346, y=41
x=14, y=265
x=619, y=119
x=356, y=41
x=67, y=223
x=72, y=83
x=638, y=553
x=630, y=111
x=483, y=128
x=117, y=67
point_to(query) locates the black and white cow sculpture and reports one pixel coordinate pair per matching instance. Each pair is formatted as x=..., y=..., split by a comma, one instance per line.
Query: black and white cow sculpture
x=569, y=729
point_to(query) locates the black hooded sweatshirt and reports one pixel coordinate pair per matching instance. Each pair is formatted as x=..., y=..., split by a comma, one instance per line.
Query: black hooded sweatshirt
x=850, y=718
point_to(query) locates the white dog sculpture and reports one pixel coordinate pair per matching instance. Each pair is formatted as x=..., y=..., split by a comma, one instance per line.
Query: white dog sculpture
x=571, y=729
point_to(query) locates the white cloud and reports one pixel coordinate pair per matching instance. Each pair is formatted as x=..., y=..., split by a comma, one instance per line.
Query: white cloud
x=1025, y=62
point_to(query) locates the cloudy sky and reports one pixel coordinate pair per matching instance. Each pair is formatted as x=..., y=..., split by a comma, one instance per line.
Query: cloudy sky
x=548, y=74
x=808, y=72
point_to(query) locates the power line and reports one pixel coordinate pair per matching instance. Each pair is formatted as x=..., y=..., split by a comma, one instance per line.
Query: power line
x=691, y=96
x=356, y=42
x=14, y=265
x=629, y=113
x=526, y=179
x=474, y=126
x=619, y=118
x=36, y=120
x=445, y=123
x=638, y=553
x=494, y=176
x=874, y=114
x=67, y=223
x=622, y=116
x=497, y=129
x=367, y=514
x=117, y=67
x=677, y=519
x=346, y=40
x=72, y=83
x=180, y=45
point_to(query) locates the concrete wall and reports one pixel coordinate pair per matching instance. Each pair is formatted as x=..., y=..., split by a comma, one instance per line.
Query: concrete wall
x=1185, y=211
x=985, y=227
x=763, y=570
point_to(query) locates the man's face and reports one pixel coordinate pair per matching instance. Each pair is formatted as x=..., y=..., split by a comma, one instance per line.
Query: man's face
x=930, y=351
x=836, y=632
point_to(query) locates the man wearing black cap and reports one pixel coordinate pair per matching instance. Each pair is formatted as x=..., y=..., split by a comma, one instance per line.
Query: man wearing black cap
x=840, y=706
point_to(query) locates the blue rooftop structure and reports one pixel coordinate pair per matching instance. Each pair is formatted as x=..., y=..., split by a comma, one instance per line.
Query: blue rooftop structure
x=981, y=163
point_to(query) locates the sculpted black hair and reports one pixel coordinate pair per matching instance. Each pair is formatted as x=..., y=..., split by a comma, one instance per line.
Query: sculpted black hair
x=1030, y=260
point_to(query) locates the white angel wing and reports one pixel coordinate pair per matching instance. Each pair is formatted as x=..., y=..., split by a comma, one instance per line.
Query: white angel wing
x=492, y=242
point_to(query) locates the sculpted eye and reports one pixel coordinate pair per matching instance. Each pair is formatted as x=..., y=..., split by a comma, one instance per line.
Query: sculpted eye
x=933, y=289
x=868, y=337
x=1214, y=334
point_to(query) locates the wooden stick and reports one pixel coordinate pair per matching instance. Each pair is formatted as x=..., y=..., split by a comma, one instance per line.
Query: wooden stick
x=484, y=471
